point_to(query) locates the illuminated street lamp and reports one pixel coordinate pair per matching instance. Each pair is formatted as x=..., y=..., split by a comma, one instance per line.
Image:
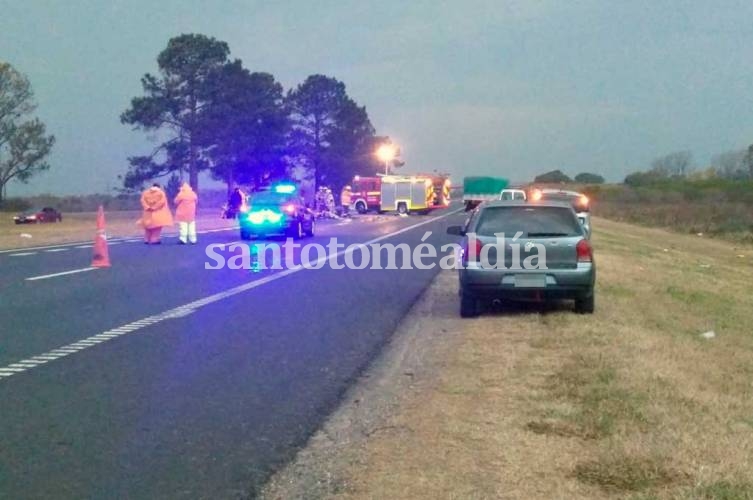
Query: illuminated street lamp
x=387, y=154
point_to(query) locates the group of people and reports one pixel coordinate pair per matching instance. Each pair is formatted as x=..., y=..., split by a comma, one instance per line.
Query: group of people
x=156, y=214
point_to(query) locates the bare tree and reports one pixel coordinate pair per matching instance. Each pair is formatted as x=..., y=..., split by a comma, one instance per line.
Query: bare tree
x=24, y=144
x=730, y=165
x=677, y=164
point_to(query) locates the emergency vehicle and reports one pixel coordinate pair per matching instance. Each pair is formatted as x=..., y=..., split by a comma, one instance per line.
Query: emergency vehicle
x=366, y=194
x=277, y=210
x=442, y=185
x=405, y=194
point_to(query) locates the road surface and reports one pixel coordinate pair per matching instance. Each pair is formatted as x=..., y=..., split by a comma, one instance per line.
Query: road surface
x=157, y=378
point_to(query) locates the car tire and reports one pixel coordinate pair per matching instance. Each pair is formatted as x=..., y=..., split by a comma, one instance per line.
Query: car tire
x=585, y=304
x=361, y=207
x=296, y=231
x=469, y=305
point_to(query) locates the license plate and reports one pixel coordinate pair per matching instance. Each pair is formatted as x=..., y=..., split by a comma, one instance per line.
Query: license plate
x=530, y=280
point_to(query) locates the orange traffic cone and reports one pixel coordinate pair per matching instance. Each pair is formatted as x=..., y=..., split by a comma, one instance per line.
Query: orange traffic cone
x=101, y=255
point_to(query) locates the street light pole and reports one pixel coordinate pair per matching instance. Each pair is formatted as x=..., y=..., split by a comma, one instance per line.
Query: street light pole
x=386, y=153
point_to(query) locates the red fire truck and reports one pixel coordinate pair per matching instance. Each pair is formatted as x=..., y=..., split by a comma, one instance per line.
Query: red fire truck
x=442, y=185
x=366, y=192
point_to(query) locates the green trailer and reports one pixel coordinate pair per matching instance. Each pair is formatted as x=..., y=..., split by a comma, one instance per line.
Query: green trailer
x=478, y=189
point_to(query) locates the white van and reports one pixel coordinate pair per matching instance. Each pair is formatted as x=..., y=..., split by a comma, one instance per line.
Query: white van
x=512, y=194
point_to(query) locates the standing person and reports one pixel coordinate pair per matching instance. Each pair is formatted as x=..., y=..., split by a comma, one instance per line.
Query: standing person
x=185, y=214
x=156, y=214
x=236, y=201
x=345, y=199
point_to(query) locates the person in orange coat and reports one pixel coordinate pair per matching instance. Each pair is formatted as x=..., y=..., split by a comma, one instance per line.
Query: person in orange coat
x=185, y=214
x=156, y=214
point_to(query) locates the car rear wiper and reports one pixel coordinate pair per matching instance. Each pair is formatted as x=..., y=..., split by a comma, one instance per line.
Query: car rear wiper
x=545, y=235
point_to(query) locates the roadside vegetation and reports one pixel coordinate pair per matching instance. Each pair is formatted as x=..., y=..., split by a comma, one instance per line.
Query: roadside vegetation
x=712, y=207
x=649, y=398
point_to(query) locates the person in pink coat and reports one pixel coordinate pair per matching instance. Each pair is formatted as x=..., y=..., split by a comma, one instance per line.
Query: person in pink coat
x=156, y=214
x=185, y=214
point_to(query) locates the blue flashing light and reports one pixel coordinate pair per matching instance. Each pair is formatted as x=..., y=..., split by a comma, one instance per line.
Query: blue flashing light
x=285, y=188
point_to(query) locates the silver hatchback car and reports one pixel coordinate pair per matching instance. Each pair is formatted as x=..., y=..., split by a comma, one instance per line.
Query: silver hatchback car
x=525, y=251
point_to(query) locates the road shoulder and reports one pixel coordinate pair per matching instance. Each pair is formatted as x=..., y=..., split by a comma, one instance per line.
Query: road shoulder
x=409, y=366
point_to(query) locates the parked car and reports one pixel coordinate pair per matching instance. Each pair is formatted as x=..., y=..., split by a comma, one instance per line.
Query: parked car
x=36, y=216
x=548, y=229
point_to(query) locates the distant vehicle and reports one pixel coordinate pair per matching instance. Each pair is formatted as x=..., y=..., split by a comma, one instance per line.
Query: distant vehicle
x=406, y=194
x=480, y=189
x=513, y=194
x=570, y=271
x=37, y=216
x=442, y=186
x=366, y=194
x=579, y=201
x=279, y=211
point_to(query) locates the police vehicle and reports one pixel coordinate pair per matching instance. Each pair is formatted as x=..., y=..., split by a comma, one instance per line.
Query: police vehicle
x=277, y=211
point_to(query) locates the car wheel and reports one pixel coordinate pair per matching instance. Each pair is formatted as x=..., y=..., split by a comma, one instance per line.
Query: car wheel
x=469, y=305
x=586, y=304
x=402, y=208
x=296, y=231
x=361, y=207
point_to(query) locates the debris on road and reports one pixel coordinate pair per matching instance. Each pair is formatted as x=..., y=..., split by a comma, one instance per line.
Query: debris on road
x=709, y=335
x=25, y=235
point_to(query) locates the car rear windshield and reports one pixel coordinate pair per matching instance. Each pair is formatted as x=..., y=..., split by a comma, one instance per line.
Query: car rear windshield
x=531, y=221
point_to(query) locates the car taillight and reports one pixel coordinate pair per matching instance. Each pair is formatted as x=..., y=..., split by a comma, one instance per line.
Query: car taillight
x=536, y=195
x=472, y=251
x=289, y=208
x=584, y=251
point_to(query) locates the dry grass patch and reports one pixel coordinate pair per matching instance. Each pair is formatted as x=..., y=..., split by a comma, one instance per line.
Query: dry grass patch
x=621, y=474
x=630, y=402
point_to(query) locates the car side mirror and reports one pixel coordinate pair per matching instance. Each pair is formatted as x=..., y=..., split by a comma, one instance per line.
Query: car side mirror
x=456, y=231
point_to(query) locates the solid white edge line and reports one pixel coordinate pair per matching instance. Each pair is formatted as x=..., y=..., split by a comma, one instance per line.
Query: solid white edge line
x=185, y=309
x=110, y=240
x=64, y=273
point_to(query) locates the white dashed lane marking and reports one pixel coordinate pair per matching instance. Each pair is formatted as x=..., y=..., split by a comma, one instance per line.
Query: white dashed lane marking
x=57, y=250
x=64, y=273
x=22, y=254
x=184, y=310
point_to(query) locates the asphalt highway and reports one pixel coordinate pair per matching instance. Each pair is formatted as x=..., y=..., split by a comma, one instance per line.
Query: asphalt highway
x=158, y=378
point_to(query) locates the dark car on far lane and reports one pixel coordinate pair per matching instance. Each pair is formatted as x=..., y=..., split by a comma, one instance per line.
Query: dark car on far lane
x=36, y=216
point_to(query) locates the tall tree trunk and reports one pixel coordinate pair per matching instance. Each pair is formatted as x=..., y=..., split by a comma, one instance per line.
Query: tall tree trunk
x=193, y=168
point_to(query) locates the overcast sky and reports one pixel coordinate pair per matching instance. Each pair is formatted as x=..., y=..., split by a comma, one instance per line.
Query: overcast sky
x=474, y=87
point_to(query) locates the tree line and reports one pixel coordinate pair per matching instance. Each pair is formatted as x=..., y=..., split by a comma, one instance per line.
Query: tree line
x=734, y=165
x=213, y=114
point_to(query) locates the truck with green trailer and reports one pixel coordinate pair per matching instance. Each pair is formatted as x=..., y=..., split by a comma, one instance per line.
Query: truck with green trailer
x=478, y=189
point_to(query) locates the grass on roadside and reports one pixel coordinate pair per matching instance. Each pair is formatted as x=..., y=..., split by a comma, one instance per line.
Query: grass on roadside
x=631, y=402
